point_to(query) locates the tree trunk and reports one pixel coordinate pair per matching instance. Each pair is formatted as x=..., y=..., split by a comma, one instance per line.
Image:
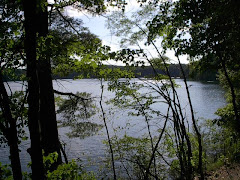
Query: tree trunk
x=233, y=94
x=29, y=7
x=11, y=132
x=199, y=136
x=48, y=122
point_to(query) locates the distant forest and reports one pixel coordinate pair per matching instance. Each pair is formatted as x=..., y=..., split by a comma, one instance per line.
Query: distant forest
x=146, y=71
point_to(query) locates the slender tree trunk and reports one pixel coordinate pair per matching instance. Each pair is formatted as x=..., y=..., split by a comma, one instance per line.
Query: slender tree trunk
x=29, y=7
x=11, y=132
x=233, y=94
x=48, y=122
x=199, y=137
x=108, y=136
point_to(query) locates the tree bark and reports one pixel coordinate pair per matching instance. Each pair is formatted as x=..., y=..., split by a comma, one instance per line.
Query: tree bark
x=48, y=122
x=10, y=132
x=29, y=7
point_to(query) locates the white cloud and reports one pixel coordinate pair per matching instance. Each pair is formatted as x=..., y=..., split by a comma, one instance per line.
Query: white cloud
x=73, y=12
x=96, y=25
x=171, y=55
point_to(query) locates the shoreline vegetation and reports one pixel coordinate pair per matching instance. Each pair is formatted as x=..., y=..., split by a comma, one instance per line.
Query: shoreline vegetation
x=40, y=42
x=146, y=71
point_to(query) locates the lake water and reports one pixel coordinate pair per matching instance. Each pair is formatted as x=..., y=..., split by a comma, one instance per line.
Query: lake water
x=206, y=99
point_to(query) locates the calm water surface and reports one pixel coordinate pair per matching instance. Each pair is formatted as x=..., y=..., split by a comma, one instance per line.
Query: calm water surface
x=206, y=99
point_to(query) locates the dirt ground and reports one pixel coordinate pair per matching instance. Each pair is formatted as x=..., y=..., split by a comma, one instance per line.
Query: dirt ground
x=232, y=172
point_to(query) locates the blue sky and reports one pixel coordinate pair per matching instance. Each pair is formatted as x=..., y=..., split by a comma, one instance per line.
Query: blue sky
x=97, y=25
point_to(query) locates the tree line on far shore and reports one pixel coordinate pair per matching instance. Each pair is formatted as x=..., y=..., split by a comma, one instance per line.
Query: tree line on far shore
x=191, y=71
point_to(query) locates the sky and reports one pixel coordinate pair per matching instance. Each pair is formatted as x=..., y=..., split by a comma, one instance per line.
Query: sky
x=97, y=25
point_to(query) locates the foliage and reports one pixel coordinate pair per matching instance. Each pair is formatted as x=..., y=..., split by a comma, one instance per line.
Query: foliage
x=79, y=106
x=134, y=30
x=72, y=50
x=76, y=113
x=70, y=171
x=84, y=129
x=135, y=97
x=65, y=171
x=208, y=32
x=12, y=56
x=19, y=113
x=134, y=155
x=5, y=172
x=221, y=145
x=227, y=114
x=202, y=72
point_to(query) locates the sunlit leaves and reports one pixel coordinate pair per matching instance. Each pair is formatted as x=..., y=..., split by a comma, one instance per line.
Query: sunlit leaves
x=69, y=170
x=131, y=30
x=135, y=153
x=76, y=52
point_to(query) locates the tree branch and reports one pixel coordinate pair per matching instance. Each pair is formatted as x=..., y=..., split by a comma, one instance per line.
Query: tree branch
x=71, y=94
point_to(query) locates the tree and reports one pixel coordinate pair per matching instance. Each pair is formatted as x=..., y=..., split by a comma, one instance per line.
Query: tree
x=39, y=68
x=9, y=56
x=9, y=130
x=41, y=97
x=136, y=30
x=30, y=8
x=48, y=123
x=206, y=30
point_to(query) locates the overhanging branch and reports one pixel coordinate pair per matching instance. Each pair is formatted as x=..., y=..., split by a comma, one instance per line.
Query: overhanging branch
x=71, y=94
